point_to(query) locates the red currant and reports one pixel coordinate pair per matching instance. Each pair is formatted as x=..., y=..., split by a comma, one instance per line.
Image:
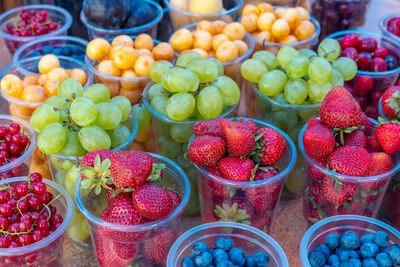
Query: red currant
x=35, y=177
x=4, y=242
x=25, y=239
x=39, y=188
x=43, y=225
x=6, y=210
x=4, y=196
x=37, y=235
x=22, y=189
x=33, y=202
x=25, y=225
x=3, y=223
x=3, y=131
x=22, y=206
x=14, y=128
x=46, y=198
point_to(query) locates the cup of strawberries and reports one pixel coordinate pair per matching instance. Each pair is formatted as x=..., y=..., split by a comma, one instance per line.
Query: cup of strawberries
x=349, y=159
x=241, y=167
x=133, y=202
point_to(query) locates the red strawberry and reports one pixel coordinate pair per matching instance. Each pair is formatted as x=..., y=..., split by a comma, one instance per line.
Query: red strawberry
x=207, y=150
x=350, y=207
x=316, y=193
x=319, y=141
x=236, y=209
x=273, y=146
x=369, y=198
x=388, y=136
x=89, y=159
x=157, y=248
x=130, y=168
x=236, y=168
x=216, y=188
x=247, y=124
x=380, y=163
x=391, y=102
x=339, y=109
x=152, y=201
x=261, y=221
x=366, y=123
x=113, y=253
x=176, y=199
x=313, y=122
x=312, y=214
x=356, y=138
x=239, y=141
x=373, y=145
x=313, y=172
x=349, y=160
x=211, y=127
x=338, y=192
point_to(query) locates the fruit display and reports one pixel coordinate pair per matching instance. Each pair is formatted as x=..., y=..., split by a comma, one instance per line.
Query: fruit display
x=241, y=166
x=389, y=104
x=133, y=216
x=273, y=28
x=24, y=24
x=390, y=26
x=184, y=12
x=34, y=214
x=377, y=59
x=349, y=159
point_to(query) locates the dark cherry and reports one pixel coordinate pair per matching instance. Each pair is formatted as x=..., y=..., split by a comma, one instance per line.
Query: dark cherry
x=377, y=64
x=367, y=45
x=350, y=40
x=350, y=52
x=381, y=52
x=362, y=62
x=363, y=84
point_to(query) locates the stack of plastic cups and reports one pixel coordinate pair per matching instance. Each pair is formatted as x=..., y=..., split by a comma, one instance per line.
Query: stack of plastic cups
x=383, y=24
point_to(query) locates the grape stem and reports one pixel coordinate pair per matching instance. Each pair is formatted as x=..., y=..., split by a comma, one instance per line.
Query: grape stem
x=326, y=54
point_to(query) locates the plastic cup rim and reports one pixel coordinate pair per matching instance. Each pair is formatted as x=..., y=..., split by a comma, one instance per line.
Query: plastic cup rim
x=187, y=13
x=383, y=25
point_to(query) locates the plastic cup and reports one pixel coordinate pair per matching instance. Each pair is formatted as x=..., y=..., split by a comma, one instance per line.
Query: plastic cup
x=383, y=23
x=26, y=51
x=217, y=192
x=381, y=80
x=56, y=13
x=365, y=201
x=381, y=112
x=341, y=224
x=150, y=28
x=49, y=250
x=180, y=18
x=137, y=238
x=65, y=172
x=172, y=139
x=249, y=238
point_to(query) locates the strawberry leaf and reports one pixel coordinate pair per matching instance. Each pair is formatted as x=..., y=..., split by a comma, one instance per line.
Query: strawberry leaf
x=346, y=205
x=86, y=183
x=382, y=120
x=97, y=190
x=231, y=190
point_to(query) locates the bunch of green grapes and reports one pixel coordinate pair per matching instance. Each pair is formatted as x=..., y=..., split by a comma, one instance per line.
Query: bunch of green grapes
x=75, y=122
x=194, y=88
x=299, y=77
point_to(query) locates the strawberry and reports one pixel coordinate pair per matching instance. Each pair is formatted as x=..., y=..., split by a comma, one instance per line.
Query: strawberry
x=369, y=198
x=349, y=160
x=313, y=122
x=113, y=253
x=89, y=159
x=373, y=145
x=236, y=168
x=380, y=163
x=273, y=146
x=350, y=207
x=366, y=123
x=339, y=109
x=388, y=136
x=239, y=141
x=318, y=141
x=96, y=169
x=391, y=102
x=152, y=201
x=247, y=124
x=312, y=213
x=261, y=221
x=211, y=127
x=207, y=150
x=236, y=209
x=216, y=188
x=176, y=199
x=337, y=192
x=315, y=173
x=315, y=193
x=356, y=138
x=157, y=248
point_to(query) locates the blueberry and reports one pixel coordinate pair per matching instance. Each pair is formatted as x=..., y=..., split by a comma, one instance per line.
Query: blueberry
x=369, y=263
x=211, y=250
x=35, y=54
x=324, y=249
x=224, y=243
x=391, y=62
x=47, y=49
x=219, y=255
x=394, y=253
x=249, y=261
x=345, y=264
x=225, y=264
x=350, y=240
x=198, y=248
x=383, y=259
x=335, y=264
x=381, y=239
x=332, y=240
x=188, y=262
x=316, y=259
x=57, y=52
x=236, y=256
x=355, y=262
x=369, y=250
x=77, y=50
x=204, y=259
x=333, y=258
x=366, y=238
x=346, y=254
x=260, y=259
x=67, y=51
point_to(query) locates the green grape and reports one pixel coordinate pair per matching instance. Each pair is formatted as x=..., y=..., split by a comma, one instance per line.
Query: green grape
x=72, y=146
x=296, y=91
x=269, y=59
x=164, y=80
x=181, y=133
x=76, y=230
x=155, y=90
x=280, y=98
x=183, y=162
x=272, y=83
x=252, y=70
x=83, y=111
x=168, y=147
x=180, y=106
x=210, y=102
x=70, y=88
x=57, y=101
x=308, y=53
x=70, y=178
x=43, y=116
x=298, y=67
x=119, y=135
x=285, y=54
x=229, y=90
x=318, y=92
x=94, y=137
x=205, y=69
x=97, y=93
x=159, y=103
x=320, y=70
x=186, y=58
x=124, y=106
x=337, y=79
x=284, y=118
x=345, y=66
x=108, y=115
x=329, y=49
x=219, y=65
x=158, y=68
x=52, y=138
x=142, y=116
x=182, y=80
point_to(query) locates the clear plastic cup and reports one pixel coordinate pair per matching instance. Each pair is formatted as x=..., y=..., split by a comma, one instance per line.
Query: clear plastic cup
x=54, y=12
x=75, y=43
x=180, y=18
x=289, y=3
x=383, y=23
x=49, y=250
x=341, y=224
x=24, y=109
x=65, y=171
x=171, y=139
x=249, y=238
x=389, y=211
x=152, y=240
x=381, y=113
x=217, y=192
x=381, y=80
x=367, y=192
x=149, y=28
